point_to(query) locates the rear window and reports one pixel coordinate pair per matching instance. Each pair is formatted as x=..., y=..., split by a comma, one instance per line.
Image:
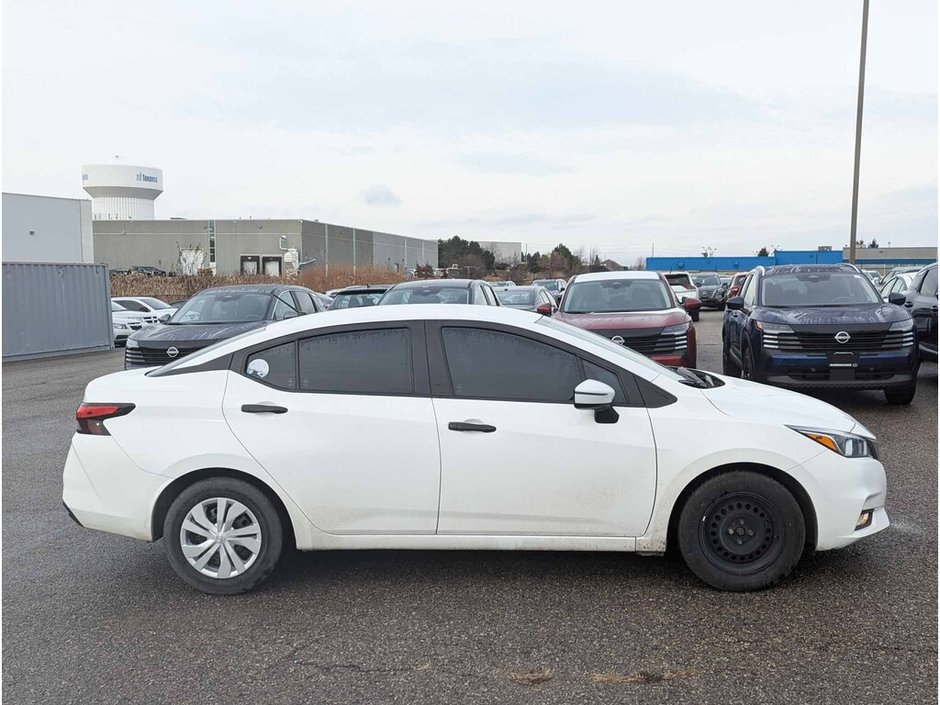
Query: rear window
x=356, y=299
x=798, y=289
x=427, y=295
x=508, y=297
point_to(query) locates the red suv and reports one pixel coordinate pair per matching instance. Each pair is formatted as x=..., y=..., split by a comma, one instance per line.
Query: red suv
x=636, y=309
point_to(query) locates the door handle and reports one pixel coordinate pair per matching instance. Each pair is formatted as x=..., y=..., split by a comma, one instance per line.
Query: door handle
x=465, y=426
x=263, y=409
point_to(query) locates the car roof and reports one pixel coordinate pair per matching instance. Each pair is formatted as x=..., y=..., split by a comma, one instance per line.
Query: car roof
x=248, y=289
x=622, y=274
x=438, y=283
x=809, y=268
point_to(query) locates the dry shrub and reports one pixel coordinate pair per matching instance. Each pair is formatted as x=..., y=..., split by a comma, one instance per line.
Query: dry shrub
x=182, y=287
x=532, y=676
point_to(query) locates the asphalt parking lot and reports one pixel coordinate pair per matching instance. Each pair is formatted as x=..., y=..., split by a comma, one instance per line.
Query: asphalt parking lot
x=94, y=618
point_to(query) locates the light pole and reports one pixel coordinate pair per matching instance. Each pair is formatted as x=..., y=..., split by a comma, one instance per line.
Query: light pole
x=858, y=130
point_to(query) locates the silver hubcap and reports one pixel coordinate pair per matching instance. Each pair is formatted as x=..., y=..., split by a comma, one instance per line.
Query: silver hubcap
x=220, y=537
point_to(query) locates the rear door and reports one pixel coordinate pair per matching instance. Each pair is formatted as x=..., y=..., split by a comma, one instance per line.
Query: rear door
x=922, y=303
x=517, y=457
x=343, y=421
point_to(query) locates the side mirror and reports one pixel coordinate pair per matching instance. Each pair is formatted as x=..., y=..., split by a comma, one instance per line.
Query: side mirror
x=897, y=298
x=164, y=317
x=591, y=394
x=290, y=314
x=544, y=309
x=692, y=302
x=735, y=303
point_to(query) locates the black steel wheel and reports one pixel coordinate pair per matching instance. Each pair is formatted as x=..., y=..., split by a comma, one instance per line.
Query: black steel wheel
x=741, y=530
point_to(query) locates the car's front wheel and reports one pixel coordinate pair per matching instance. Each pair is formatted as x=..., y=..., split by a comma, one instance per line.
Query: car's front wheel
x=741, y=530
x=223, y=536
x=728, y=366
x=900, y=395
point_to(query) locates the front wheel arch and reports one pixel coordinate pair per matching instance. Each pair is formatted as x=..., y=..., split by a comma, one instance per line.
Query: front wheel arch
x=172, y=491
x=788, y=481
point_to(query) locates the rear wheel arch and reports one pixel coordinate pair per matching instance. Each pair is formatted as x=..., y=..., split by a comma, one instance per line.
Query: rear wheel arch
x=785, y=479
x=172, y=491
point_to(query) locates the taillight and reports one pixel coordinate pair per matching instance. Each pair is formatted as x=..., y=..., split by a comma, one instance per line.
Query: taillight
x=91, y=417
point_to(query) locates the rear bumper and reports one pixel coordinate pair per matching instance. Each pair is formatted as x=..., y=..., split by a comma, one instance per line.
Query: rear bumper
x=876, y=370
x=110, y=494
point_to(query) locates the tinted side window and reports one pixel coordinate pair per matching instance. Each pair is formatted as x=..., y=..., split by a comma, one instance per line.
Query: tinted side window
x=929, y=287
x=592, y=371
x=304, y=302
x=284, y=307
x=358, y=362
x=750, y=290
x=275, y=366
x=133, y=305
x=495, y=365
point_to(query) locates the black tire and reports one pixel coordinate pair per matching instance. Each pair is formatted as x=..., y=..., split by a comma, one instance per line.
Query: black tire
x=694, y=315
x=728, y=366
x=900, y=396
x=261, y=512
x=741, y=531
x=747, y=365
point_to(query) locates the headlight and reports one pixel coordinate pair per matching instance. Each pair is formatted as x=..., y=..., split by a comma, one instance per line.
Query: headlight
x=905, y=326
x=131, y=343
x=849, y=445
x=772, y=327
x=680, y=329
x=122, y=326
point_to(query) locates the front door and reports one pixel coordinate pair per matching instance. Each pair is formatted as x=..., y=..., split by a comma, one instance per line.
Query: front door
x=518, y=458
x=343, y=422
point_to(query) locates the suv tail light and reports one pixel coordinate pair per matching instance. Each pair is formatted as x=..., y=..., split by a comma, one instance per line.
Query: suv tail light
x=91, y=417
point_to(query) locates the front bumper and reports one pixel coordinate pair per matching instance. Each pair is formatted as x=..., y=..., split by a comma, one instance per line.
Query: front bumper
x=875, y=370
x=841, y=489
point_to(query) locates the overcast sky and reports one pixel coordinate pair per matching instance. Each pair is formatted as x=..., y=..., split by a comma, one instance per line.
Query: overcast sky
x=601, y=125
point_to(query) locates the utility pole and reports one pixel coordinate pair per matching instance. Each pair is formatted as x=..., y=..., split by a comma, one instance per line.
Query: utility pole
x=858, y=131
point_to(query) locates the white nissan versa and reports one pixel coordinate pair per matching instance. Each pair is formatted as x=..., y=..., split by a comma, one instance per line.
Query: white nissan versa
x=462, y=427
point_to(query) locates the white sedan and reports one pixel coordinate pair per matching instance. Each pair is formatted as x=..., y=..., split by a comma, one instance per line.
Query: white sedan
x=462, y=427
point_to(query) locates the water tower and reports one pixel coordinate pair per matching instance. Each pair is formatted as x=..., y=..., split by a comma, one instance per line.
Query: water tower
x=122, y=191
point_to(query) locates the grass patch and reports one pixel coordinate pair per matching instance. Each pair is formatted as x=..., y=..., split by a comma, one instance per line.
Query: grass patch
x=532, y=676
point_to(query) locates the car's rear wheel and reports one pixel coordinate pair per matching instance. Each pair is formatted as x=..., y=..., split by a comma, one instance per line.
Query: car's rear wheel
x=223, y=536
x=900, y=395
x=741, y=530
x=694, y=315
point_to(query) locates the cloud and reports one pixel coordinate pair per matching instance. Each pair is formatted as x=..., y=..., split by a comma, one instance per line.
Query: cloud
x=499, y=163
x=380, y=195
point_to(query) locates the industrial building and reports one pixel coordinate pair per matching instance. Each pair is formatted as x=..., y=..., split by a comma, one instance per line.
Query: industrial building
x=273, y=247
x=880, y=259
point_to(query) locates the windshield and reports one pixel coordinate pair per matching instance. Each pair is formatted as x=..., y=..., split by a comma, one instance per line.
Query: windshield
x=683, y=280
x=356, y=299
x=427, y=295
x=223, y=307
x=818, y=289
x=509, y=297
x=550, y=284
x=118, y=307
x=617, y=295
x=154, y=303
x=706, y=280
x=619, y=350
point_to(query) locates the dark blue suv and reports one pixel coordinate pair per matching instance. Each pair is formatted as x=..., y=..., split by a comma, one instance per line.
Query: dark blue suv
x=814, y=326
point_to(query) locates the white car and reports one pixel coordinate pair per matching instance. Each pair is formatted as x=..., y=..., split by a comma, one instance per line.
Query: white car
x=684, y=288
x=124, y=322
x=896, y=284
x=152, y=307
x=462, y=427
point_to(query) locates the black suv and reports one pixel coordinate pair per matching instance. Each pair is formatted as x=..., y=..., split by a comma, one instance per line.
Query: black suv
x=711, y=292
x=921, y=301
x=213, y=315
x=817, y=326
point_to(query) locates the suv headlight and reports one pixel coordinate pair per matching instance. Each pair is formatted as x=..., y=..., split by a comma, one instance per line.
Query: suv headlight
x=131, y=343
x=679, y=329
x=772, y=327
x=121, y=326
x=848, y=445
x=905, y=326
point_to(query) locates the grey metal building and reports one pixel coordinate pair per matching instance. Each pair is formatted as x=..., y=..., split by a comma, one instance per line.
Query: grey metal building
x=253, y=246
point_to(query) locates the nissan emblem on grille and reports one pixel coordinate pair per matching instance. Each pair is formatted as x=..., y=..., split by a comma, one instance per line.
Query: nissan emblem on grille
x=173, y=352
x=843, y=337
x=617, y=339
